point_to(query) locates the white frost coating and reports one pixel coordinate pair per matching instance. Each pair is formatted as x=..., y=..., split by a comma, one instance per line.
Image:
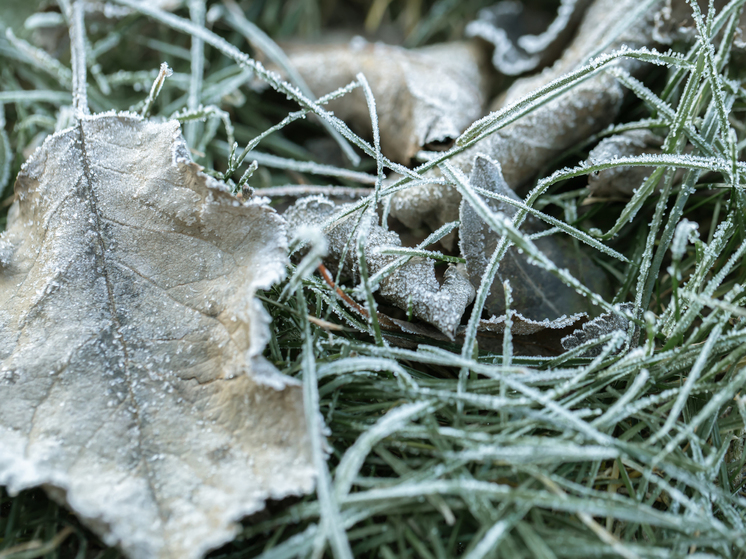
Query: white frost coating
x=414, y=283
x=523, y=326
x=131, y=380
x=515, y=55
x=600, y=326
x=6, y=249
x=685, y=231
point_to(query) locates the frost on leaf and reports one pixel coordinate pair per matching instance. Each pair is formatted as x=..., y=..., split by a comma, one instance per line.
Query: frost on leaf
x=411, y=285
x=522, y=326
x=527, y=144
x=537, y=294
x=131, y=378
x=424, y=96
x=621, y=180
x=508, y=26
x=596, y=328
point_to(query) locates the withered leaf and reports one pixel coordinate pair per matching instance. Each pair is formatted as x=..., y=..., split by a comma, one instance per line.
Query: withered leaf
x=508, y=25
x=412, y=285
x=537, y=294
x=131, y=378
x=594, y=329
x=527, y=144
x=621, y=180
x=423, y=96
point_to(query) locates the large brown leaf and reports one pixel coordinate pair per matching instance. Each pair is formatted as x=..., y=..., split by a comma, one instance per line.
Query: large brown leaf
x=131, y=381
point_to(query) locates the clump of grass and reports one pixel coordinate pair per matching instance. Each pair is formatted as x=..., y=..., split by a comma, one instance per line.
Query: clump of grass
x=457, y=451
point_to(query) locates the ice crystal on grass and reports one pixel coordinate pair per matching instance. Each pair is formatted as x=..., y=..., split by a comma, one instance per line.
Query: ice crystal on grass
x=600, y=326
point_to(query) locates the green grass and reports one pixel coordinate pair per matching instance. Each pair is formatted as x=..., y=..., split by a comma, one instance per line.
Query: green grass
x=453, y=450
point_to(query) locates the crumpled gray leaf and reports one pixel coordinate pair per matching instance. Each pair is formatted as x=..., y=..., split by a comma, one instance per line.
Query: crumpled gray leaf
x=413, y=284
x=517, y=50
x=537, y=294
x=424, y=96
x=131, y=378
x=594, y=329
x=621, y=180
x=524, y=146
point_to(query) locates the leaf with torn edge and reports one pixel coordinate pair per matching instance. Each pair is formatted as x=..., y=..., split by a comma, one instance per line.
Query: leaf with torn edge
x=411, y=285
x=537, y=294
x=131, y=378
x=424, y=96
x=517, y=53
x=594, y=329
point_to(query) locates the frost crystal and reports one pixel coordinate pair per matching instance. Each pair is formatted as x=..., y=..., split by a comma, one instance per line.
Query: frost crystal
x=412, y=285
x=594, y=329
x=131, y=378
x=685, y=231
x=537, y=294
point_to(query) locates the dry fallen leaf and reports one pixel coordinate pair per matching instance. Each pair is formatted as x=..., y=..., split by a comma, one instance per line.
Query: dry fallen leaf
x=537, y=294
x=621, y=180
x=131, y=378
x=516, y=53
x=412, y=285
x=594, y=329
x=424, y=96
x=526, y=145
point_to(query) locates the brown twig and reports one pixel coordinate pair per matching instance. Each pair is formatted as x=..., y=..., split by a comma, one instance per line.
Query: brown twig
x=383, y=320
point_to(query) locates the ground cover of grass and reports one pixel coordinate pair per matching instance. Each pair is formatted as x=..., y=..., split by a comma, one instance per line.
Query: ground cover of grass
x=447, y=450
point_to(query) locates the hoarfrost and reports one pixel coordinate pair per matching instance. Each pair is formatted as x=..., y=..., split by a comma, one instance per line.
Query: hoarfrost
x=129, y=331
x=685, y=231
x=537, y=294
x=598, y=327
x=515, y=55
x=412, y=285
x=523, y=326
